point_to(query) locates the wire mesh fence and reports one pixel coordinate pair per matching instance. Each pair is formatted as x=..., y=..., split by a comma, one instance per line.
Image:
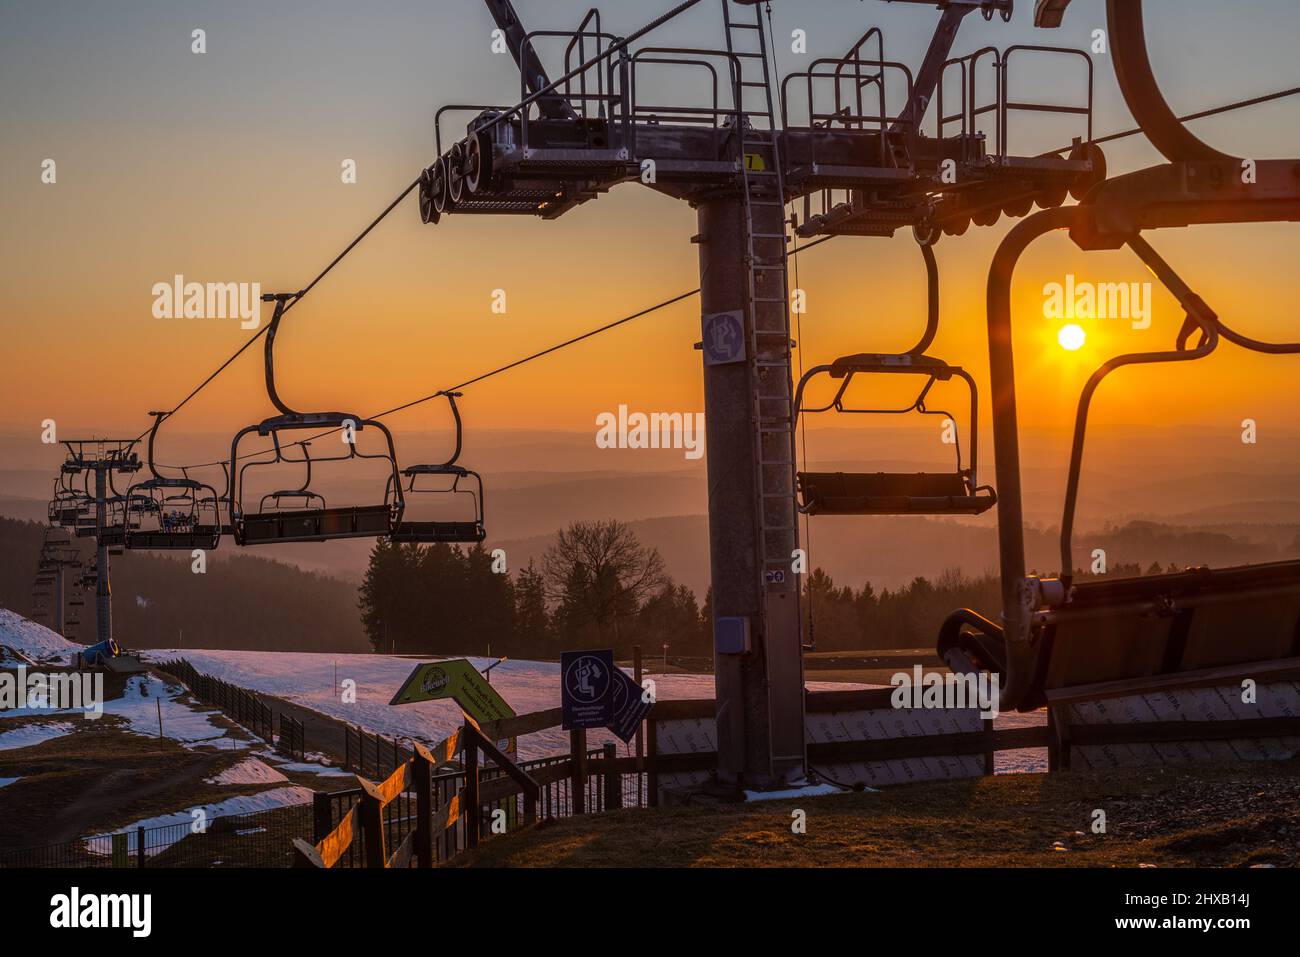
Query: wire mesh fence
x=243, y=706
x=259, y=839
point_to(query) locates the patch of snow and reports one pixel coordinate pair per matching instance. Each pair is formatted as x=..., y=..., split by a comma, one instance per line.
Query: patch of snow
x=30, y=734
x=1023, y=760
x=307, y=767
x=181, y=722
x=249, y=771
x=308, y=679
x=139, y=706
x=5, y=782
x=182, y=821
x=33, y=640
x=807, y=790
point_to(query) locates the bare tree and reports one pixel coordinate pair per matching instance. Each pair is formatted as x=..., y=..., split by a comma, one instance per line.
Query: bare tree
x=597, y=572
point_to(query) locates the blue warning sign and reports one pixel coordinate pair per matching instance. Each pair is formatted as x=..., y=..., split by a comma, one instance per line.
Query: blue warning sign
x=587, y=689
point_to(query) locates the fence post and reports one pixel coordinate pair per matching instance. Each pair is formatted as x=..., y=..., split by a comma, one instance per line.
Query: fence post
x=640, y=725
x=322, y=821
x=613, y=780
x=371, y=812
x=578, y=767
x=347, y=747
x=473, y=811
x=422, y=768
x=139, y=846
x=652, y=748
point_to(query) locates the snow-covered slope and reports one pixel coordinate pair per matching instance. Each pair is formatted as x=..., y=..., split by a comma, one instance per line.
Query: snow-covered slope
x=35, y=641
x=309, y=679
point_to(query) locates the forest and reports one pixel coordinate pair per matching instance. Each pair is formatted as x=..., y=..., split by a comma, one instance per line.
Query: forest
x=242, y=601
x=597, y=586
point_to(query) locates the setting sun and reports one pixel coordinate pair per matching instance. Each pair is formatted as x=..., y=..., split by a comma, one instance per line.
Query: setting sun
x=1072, y=337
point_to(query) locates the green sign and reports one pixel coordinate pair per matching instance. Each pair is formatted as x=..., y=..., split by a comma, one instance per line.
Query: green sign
x=459, y=680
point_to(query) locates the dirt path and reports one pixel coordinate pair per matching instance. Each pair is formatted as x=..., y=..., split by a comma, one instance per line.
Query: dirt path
x=122, y=787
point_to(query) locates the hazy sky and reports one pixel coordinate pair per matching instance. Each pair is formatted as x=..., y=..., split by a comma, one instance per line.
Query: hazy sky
x=225, y=166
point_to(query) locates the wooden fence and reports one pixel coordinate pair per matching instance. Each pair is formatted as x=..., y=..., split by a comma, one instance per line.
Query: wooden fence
x=456, y=806
x=473, y=791
x=368, y=825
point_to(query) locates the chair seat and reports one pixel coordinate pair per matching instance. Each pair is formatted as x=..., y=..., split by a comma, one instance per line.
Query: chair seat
x=316, y=525
x=891, y=493
x=201, y=536
x=448, y=532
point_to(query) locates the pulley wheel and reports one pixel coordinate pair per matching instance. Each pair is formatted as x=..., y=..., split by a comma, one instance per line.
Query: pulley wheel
x=456, y=173
x=438, y=186
x=1091, y=152
x=478, y=162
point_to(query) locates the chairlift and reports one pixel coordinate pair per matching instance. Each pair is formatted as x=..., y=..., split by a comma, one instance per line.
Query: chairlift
x=177, y=514
x=897, y=493
x=408, y=530
x=309, y=518
x=68, y=504
x=123, y=511
x=1059, y=635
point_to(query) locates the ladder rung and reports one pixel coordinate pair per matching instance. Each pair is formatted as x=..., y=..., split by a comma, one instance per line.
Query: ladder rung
x=767, y=235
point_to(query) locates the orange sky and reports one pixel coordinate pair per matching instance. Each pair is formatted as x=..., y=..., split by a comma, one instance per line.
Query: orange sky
x=151, y=185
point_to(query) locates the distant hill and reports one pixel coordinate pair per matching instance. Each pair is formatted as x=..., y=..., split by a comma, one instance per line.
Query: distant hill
x=242, y=602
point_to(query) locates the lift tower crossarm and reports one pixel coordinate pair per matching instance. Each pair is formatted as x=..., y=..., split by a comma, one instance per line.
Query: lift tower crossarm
x=508, y=22
x=940, y=49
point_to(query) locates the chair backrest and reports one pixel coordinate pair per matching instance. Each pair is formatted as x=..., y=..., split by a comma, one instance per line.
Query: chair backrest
x=1133, y=628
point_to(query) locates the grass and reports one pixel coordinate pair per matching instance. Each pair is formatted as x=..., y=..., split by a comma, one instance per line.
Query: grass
x=1208, y=815
x=101, y=776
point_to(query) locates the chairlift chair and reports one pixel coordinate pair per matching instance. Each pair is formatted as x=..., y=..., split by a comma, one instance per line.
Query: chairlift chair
x=1064, y=637
x=896, y=493
x=312, y=520
x=67, y=505
x=451, y=532
x=176, y=514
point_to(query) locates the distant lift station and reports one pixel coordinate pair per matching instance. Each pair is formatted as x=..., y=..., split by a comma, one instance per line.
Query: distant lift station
x=752, y=143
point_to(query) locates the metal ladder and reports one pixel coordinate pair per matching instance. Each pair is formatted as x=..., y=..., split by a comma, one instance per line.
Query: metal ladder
x=767, y=299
